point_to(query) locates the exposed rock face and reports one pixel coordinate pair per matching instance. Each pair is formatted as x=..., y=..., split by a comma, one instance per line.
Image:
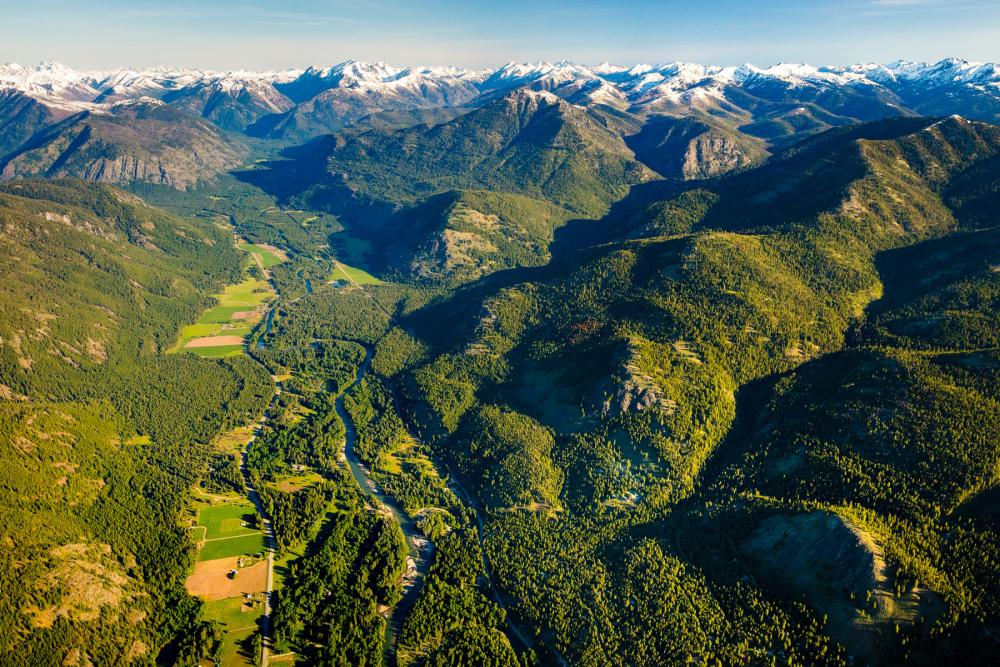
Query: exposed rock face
x=635, y=390
x=82, y=581
x=177, y=151
x=690, y=149
x=128, y=168
x=715, y=153
x=452, y=251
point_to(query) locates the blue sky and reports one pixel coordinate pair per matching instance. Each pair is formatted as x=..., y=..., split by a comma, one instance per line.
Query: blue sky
x=228, y=34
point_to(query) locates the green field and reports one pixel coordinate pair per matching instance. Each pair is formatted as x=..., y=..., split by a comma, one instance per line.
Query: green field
x=235, y=546
x=243, y=297
x=230, y=612
x=342, y=271
x=219, y=351
x=268, y=258
x=231, y=656
x=224, y=520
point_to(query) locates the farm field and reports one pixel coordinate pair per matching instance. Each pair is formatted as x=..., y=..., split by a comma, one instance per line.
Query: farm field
x=220, y=531
x=231, y=547
x=220, y=330
x=236, y=602
x=210, y=579
x=235, y=613
x=226, y=520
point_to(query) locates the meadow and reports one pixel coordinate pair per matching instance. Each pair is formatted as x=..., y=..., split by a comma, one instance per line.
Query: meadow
x=353, y=274
x=222, y=330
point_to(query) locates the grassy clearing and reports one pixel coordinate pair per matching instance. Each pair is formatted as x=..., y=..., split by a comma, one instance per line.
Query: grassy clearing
x=240, y=307
x=293, y=483
x=218, y=351
x=404, y=454
x=220, y=315
x=224, y=520
x=234, y=613
x=245, y=545
x=269, y=255
x=234, y=439
x=232, y=653
x=352, y=274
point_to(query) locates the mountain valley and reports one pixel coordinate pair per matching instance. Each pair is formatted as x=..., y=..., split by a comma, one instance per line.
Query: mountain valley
x=549, y=364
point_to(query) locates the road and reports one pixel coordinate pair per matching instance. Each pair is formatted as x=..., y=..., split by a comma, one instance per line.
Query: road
x=469, y=499
x=361, y=475
x=265, y=627
x=413, y=536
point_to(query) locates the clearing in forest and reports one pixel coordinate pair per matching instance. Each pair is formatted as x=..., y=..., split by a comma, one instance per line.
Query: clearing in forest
x=270, y=256
x=227, y=520
x=352, y=275
x=242, y=545
x=293, y=483
x=222, y=330
x=213, y=579
x=226, y=529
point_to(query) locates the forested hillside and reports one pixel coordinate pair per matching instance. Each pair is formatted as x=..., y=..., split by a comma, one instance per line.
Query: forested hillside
x=102, y=435
x=596, y=411
x=140, y=141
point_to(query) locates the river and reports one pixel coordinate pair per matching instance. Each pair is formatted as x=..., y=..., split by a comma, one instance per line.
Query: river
x=417, y=545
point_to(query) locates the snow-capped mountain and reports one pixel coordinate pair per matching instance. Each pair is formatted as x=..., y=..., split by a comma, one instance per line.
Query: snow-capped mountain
x=53, y=81
x=357, y=75
x=49, y=81
x=299, y=104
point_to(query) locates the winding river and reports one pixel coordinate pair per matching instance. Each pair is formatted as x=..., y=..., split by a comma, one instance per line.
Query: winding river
x=419, y=548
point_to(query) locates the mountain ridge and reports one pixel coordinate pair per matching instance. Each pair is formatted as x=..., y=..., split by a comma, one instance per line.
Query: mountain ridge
x=640, y=84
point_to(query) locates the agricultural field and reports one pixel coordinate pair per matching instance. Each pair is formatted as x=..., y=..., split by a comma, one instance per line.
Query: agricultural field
x=224, y=529
x=228, y=577
x=231, y=546
x=227, y=520
x=222, y=329
x=213, y=579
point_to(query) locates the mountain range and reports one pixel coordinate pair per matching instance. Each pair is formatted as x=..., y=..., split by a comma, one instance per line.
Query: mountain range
x=653, y=87
x=734, y=116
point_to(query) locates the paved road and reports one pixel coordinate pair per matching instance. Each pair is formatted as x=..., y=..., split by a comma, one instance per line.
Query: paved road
x=265, y=627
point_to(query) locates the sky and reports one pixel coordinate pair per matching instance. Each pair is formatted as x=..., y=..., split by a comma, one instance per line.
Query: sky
x=279, y=34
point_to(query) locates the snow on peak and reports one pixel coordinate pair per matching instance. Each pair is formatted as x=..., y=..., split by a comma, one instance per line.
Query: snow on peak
x=675, y=82
x=48, y=80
